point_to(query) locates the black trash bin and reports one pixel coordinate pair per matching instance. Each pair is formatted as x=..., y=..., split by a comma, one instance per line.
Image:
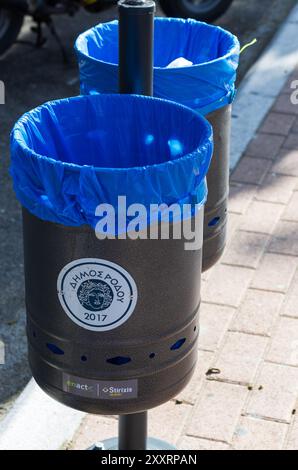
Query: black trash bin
x=113, y=322
x=206, y=83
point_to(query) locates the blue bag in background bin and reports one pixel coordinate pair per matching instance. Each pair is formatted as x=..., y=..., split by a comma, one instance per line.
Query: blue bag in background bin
x=195, y=65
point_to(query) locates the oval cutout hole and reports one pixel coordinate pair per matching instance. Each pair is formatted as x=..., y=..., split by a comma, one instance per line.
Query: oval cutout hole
x=83, y=358
x=54, y=349
x=214, y=222
x=152, y=355
x=178, y=344
x=119, y=361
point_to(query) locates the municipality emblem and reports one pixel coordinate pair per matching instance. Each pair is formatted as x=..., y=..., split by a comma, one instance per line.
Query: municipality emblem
x=96, y=294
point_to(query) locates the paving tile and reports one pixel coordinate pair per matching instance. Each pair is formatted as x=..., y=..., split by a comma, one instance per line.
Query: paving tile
x=206, y=275
x=233, y=224
x=167, y=422
x=283, y=104
x=292, y=439
x=251, y=170
x=2, y=352
x=258, y=312
x=295, y=126
x=265, y=146
x=291, y=142
x=240, y=357
x=259, y=434
x=277, y=398
x=92, y=430
x=246, y=249
x=290, y=306
x=284, y=343
x=195, y=443
x=214, y=323
x=287, y=87
x=192, y=390
x=276, y=188
x=285, y=239
x=218, y=411
x=274, y=273
x=226, y=285
x=241, y=196
x=291, y=211
x=261, y=217
x=278, y=124
x=287, y=163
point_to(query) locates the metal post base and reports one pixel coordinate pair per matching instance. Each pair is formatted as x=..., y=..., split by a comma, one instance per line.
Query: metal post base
x=152, y=444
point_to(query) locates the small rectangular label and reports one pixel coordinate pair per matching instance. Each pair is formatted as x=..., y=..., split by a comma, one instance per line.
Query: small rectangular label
x=101, y=389
x=79, y=386
x=123, y=389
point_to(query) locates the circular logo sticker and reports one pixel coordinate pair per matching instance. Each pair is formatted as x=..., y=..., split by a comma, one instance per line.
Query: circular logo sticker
x=96, y=294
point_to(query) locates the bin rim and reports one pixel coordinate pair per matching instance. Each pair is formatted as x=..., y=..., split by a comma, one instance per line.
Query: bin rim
x=234, y=48
x=76, y=167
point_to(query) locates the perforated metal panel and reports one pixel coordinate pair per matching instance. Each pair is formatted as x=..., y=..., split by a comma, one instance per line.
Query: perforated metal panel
x=216, y=210
x=139, y=364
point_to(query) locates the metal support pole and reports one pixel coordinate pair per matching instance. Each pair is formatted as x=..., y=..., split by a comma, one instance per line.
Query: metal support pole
x=136, y=33
x=136, y=37
x=133, y=431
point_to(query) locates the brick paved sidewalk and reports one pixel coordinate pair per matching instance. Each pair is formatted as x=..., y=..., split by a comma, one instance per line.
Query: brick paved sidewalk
x=249, y=314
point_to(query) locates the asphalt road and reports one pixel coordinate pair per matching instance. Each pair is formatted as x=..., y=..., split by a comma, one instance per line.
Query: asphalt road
x=34, y=76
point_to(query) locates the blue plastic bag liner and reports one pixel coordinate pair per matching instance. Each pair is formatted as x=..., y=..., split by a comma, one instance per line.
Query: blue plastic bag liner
x=69, y=156
x=205, y=86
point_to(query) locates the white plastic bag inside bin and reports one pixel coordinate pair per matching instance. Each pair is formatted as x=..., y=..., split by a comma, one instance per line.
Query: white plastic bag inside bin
x=179, y=62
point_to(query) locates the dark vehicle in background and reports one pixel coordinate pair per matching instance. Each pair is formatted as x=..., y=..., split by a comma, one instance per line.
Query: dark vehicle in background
x=12, y=12
x=202, y=10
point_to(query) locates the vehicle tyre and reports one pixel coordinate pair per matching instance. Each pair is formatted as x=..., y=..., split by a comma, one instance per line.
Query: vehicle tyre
x=202, y=10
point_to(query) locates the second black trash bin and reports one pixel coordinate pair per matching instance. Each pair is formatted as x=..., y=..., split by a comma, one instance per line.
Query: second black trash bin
x=112, y=323
x=202, y=78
